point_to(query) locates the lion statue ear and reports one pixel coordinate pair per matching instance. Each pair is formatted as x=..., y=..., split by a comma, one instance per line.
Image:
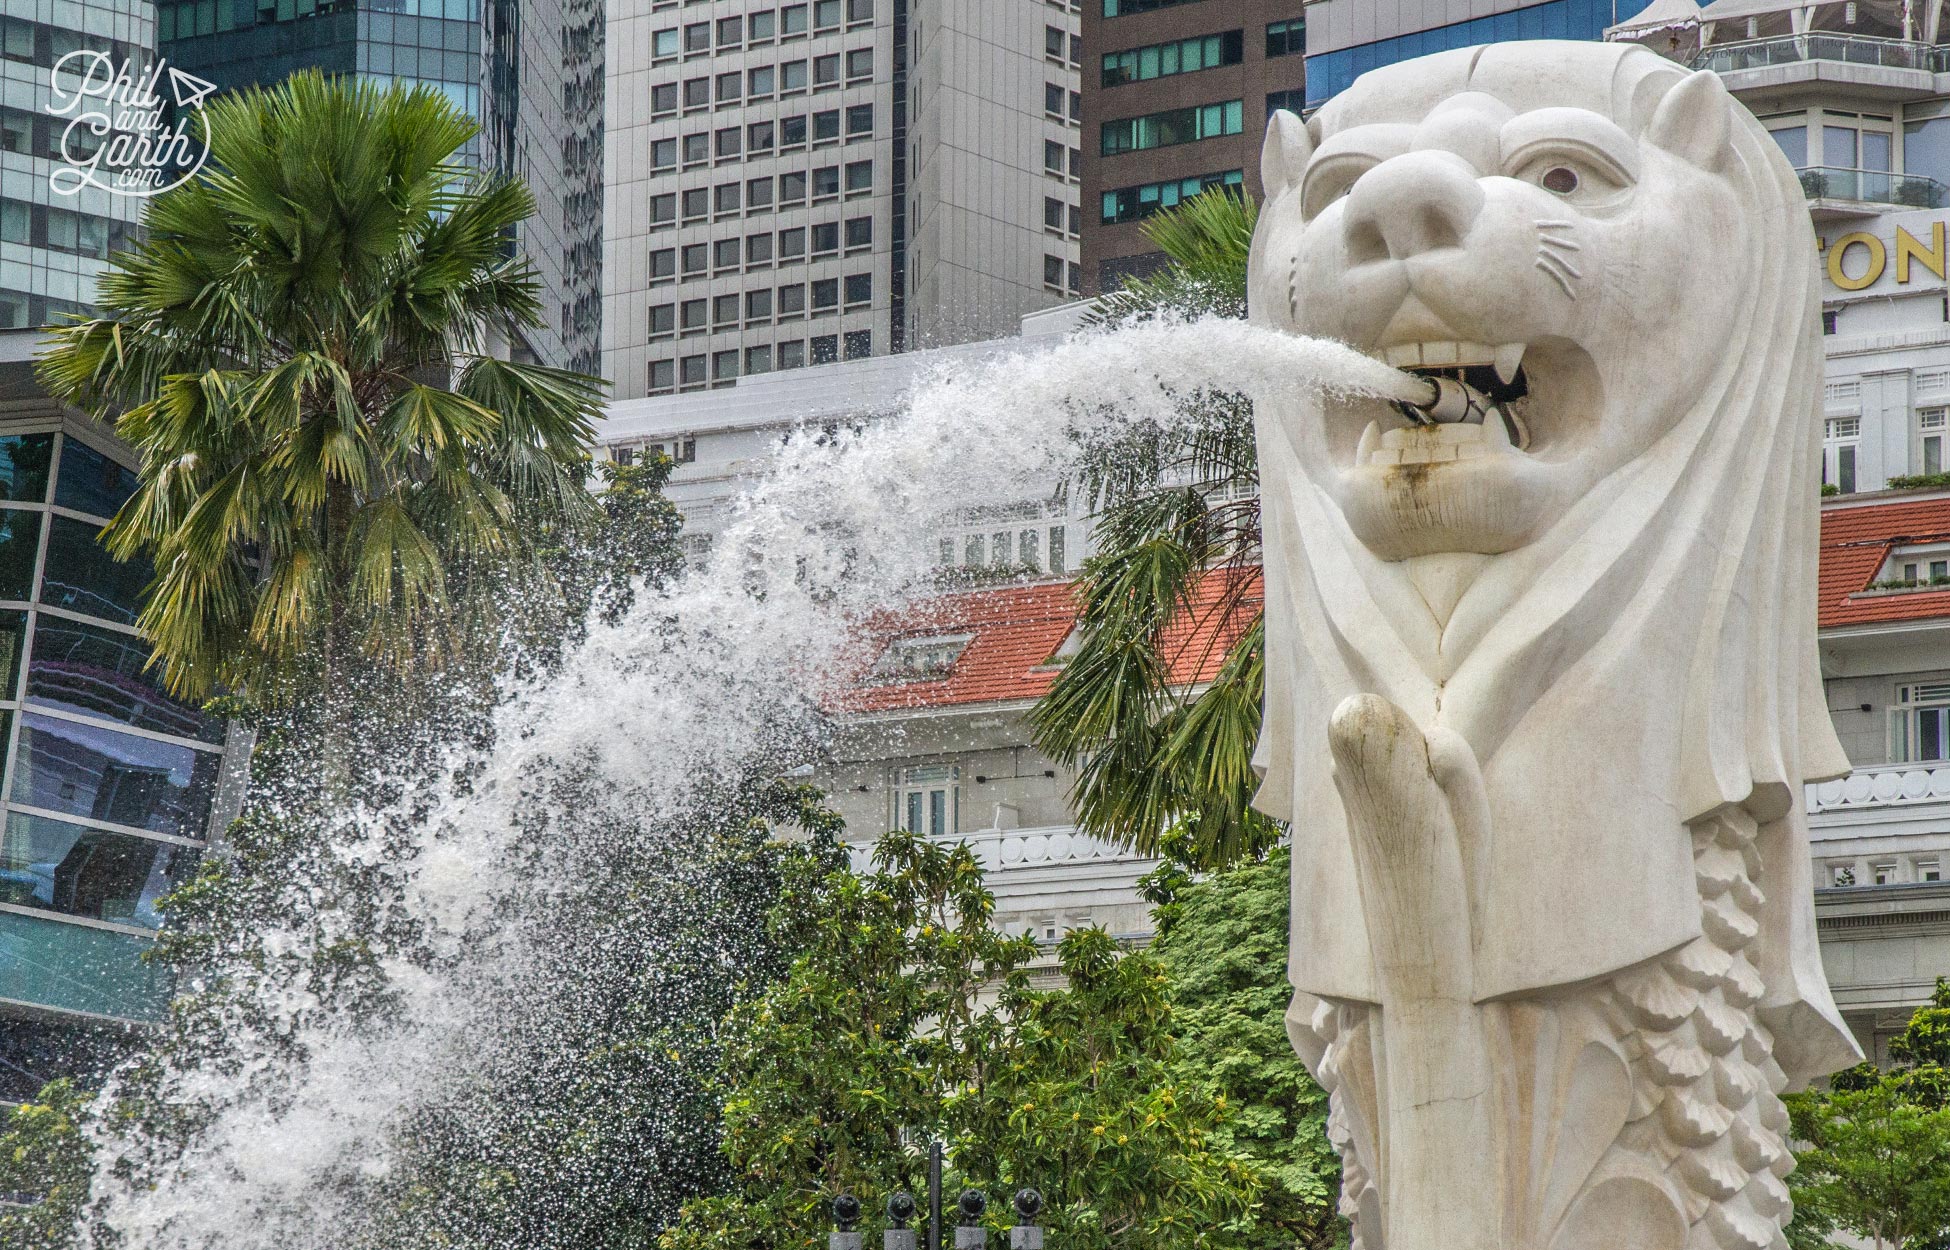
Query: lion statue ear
x=1694, y=120
x=1283, y=157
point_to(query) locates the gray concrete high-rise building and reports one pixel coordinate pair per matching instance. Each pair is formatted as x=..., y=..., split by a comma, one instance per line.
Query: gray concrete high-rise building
x=530, y=71
x=793, y=183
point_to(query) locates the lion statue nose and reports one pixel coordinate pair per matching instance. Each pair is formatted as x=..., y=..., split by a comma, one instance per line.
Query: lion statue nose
x=1409, y=205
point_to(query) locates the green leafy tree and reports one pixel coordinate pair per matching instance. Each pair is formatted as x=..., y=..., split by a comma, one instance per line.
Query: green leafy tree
x=43, y=1154
x=1178, y=540
x=908, y=1017
x=1875, y=1160
x=301, y=351
x=1223, y=943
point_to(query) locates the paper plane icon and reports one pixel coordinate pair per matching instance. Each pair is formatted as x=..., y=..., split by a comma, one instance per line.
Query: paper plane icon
x=188, y=89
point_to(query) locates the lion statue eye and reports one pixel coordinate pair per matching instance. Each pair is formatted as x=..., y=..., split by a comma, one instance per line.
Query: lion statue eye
x=1561, y=179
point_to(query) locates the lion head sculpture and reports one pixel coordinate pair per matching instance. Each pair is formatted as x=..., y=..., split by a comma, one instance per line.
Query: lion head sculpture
x=1605, y=586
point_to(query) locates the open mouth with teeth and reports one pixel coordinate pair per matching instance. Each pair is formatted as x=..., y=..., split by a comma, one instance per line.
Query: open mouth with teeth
x=1472, y=409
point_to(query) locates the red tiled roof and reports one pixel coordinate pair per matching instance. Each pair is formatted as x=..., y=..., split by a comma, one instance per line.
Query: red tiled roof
x=1856, y=540
x=1017, y=630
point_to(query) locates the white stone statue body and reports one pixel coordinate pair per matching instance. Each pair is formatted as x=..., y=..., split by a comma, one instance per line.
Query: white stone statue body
x=1541, y=683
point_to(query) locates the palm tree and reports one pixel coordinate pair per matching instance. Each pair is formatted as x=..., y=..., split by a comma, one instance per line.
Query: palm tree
x=337, y=467
x=1162, y=763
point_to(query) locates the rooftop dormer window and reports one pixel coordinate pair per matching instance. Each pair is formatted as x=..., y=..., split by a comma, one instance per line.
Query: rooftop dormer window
x=928, y=658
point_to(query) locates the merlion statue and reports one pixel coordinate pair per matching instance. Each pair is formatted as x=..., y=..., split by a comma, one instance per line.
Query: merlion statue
x=1541, y=683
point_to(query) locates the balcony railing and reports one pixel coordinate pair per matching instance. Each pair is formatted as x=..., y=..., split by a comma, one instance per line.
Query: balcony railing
x=1883, y=785
x=1724, y=58
x=1873, y=186
x=1003, y=850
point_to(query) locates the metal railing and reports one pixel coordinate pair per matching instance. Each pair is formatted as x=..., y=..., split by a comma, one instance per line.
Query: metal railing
x=1873, y=186
x=1821, y=46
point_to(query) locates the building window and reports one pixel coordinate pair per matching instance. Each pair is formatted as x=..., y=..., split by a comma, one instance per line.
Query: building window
x=758, y=194
x=792, y=187
x=792, y=19
x=792, y=354
x=1172, y=127
x=859, y=289
x=1929, y=870
x=1919, y=724
x=1293, y=102
x=825, y=349
x=726, y=197
x=1162, y=60
x=859, y=10
x=1053, y=215
x=697, y=38
x=758, y=305
x=1054, y=42
x=761, y=82
x=697, y=148
x=792, y=299
x=663, y=209
x=859, y=64
x=825, y=238
x=665, y=43
x=859, y=121
x=697, y=93
x=826, y=182
x=663, y=264
x=1844, y=875
x=826, y=70
x=859, y=232
x=697, y=203
x=927, y=800
x=1137, y=203
x=763, y=25
x=758, y=249
x=693, y=314
x=859, y=177
x=792, y=76
x=691, y=371
x=1831, y=317
x=1052, y=157
x=724, y=309
x=663, y=98
x=731, y=31
x=1932, y=424
x=663, y=154
x=1286, y=38
x=825, y=294
x=1124, y=8
x=695, y=257
x=826, y=126
x=825, y=13
x=622, y=455
x=792, y=132
x=1053, y=272
x=1841, y=435
x=792, y=243
x=730, y=142
x=1052, y=100
x=724, y=365
x=663, y=375
x=663, y=319
x=730, y=86
x=859, y=344
x=758, y=360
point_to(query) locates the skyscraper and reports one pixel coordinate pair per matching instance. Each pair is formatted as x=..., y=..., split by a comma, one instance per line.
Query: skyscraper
x=529, y=70
x=795, y=183
x=53, y=246
x=1175, y=99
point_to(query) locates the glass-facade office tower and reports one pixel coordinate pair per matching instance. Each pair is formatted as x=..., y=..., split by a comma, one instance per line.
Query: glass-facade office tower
x=530, y=71
x=52, y=247
x=796, y=183
x=109, y=788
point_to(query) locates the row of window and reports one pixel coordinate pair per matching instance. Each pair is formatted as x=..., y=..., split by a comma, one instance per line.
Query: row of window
x=1888, y=872
x=1062, y=105
x=787, y=247
x=732, y=143
x=721, y=368
x=1061, y=46
x=1842, y=437
x=1056, y=156
x=1061, y=218
x=761, y=82
x=1183, y=56
x=758, y=195
x=1125, y=8
x=760, y=306
x=1172, y=127
x=1137, y=203
x=698, y=38
x=61, y=229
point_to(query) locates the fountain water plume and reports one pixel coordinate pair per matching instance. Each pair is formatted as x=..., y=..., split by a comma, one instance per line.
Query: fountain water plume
x=722, y=672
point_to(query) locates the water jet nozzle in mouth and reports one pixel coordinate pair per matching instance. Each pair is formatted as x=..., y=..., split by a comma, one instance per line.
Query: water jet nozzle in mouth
x=1452, y=398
